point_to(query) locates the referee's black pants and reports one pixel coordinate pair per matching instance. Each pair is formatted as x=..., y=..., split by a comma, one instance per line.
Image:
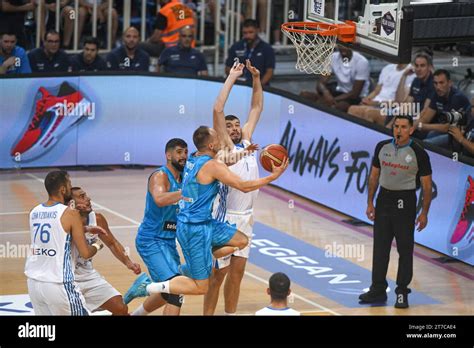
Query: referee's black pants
x=395, y=215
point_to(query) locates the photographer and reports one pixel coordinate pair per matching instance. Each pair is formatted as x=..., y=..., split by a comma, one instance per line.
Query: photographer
x=466, y=138
x=448, y=107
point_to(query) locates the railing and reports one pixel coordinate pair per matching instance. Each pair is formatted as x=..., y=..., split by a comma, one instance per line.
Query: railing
x=229, y=28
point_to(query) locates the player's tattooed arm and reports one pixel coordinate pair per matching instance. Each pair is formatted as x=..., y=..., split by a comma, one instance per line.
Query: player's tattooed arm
x=232, y=157
x=115, y=246
x=159, y=187
x=256, y=106
x=218, y=110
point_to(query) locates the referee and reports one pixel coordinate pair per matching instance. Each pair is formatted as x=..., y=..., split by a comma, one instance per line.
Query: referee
x=399, y=165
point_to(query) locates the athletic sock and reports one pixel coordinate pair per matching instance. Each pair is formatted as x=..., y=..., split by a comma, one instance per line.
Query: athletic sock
x=140, y=311
x=225, y=313
x=161, y=287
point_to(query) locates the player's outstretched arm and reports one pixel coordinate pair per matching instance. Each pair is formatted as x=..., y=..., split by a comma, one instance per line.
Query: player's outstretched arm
x=159, y=187
x=218, y=110
x=71, y=221
x=114, y=245
x=256, y=106
x=220, y=172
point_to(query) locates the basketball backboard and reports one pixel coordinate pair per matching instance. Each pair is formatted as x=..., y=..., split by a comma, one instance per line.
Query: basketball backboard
x=389, y=28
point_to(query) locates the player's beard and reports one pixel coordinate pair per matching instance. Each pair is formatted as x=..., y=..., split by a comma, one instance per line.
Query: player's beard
x=177, y=165
x=67, y=197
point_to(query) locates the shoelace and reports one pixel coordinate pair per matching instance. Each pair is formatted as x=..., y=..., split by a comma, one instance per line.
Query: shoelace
x=40, y=105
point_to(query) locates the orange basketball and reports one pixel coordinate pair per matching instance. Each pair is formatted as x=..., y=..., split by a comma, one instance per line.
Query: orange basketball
x=273, y=153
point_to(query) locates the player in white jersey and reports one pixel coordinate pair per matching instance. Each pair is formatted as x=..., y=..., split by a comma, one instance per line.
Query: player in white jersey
x=279, y=290
x=233, y=205
x=98, y=293
x=54, y=227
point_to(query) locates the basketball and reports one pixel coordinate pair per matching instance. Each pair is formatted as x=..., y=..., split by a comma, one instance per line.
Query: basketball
x=273, y=153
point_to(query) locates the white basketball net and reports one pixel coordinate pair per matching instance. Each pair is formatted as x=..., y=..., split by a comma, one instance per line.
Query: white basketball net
x=314, y=50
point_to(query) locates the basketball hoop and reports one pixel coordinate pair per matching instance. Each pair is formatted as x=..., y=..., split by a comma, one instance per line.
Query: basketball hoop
x=315, y=43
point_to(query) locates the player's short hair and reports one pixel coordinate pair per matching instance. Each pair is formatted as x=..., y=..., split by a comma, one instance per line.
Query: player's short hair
x=231, y=118
x=404, y=117
x=173, y=143
x=424, y=55
x=75, y=188
x=91, y=41
x=442, y=72
x=279, y=285
x=201, y=137
x=250, y=23
x=54, y=180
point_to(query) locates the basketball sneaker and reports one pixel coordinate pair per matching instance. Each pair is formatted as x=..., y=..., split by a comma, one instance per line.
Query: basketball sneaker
x=138, y=288
x=463, y=234
x=51, y=120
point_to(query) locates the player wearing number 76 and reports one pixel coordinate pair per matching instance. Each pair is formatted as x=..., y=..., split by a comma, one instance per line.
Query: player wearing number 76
x=53, y=227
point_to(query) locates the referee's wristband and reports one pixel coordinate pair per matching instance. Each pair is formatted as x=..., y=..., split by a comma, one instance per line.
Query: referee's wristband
x=98, y=246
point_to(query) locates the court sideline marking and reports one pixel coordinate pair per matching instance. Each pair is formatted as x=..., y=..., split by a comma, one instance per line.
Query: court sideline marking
x=251, y=275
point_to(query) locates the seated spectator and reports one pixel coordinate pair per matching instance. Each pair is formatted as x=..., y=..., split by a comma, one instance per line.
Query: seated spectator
x=183, y=59
x=252, y=47
x=49, y=58
x=449, y=107
x=89, y=59
x=129, y=56
x=352, y=73
x=13, y=58
x=375, y=106
x=85, y=12
x=279, y=290
x=170, y=19
x=67, y=17
x=415, y=100
x=12, y=18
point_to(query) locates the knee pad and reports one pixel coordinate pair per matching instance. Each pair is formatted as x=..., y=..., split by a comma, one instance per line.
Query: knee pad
x=172, y=299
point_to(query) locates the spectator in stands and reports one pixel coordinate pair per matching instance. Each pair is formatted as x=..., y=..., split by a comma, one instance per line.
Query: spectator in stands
x=352, y=73
x=414, y=101
x=49, y=58
x=279, y=290
x=12, y=17
x=129, y=56
x=183, y=59
x=375, y=107
x=67, y=17
x=170, y=19
x=13, y=58
x=89, y=59
x=449, y=107
x=252, y=47
x=85, y=12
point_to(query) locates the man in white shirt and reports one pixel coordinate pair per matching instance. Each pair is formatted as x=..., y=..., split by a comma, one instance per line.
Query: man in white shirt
x=279, y=290
x=352, y=72
x=375, y=107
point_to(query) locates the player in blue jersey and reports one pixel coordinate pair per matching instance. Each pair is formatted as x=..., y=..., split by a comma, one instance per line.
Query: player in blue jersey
x=199, y=235
x=156, y=238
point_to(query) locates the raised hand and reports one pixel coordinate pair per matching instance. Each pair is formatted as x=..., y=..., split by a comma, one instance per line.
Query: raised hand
x=253, y=70
x=237, y=70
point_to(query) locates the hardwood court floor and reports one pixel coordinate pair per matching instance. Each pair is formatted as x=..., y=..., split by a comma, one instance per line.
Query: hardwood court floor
x=119, y=194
